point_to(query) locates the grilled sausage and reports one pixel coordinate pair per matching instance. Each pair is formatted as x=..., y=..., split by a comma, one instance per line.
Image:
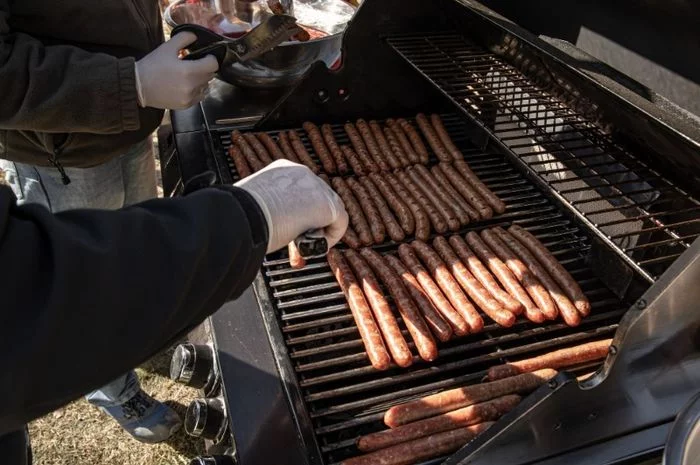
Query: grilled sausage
x=421, y=219
x=472, y=415
x=296, y=261
x=558, y=272
x=484, y=276
x=478, y=294
x=371, y=144
x=350, y=238
x=325, y=179
x=385, y=318
x=440, y=327
x=566, y=307
x=287, y=149
x=271, y=146
x=412, y=318
x=248, y=152
x=432, y=138
x=392, y=226
x=384, y=147
x=406, y=146
x=445, y=198
x=320, y=147
x=445, y=137
x=422, y=449
x=329, y=138
x=562, y=358
x=449, y=286
x=259, y=149
x=361, y=313
x=410, y=259
x=301, y=152
x=453, y=399
x=357, y=218
x=492, y=199
x=356, y=140
x=403, y=213
x=353, y=159
x=239, y=162
x=416, y=142
x=437, y=220
x=444, y=209
x=396, y=147
x=468, y=192
x=455, y=197
x=376, y=226
x=504, y=275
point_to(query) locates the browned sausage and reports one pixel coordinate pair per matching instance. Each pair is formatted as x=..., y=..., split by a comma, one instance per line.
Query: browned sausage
x=420, y=217
x=271, y=146
x=409, y=258
x=406, y=146
x=445, y=137
x=296, y=261
x=259, y=149
x=456, y=197
x=453, y=399
x=449, y=286
x=440, y=327
x=371, y=144
x=384, y=146
x=287, y=149
x=402, y=211
x=329, y=138
x=566, y=307
x=506, y=278
x=412, y=318
x=357, y=218
x=415, y=140
x=301, y=152
x=484, y=276
x=472, y=415
x=396, y=147
x=248, y=152
x=558, y=272
x=356, y=140
x=421, y=449
x=445, y=210
x=353, y=159
x=361, y=313
x=376, y=226
x=432, y=138
x=467, y=191
x=350, y=238
x=392, y=226
x=325, y=179
x=436, y=219
x=471, y=285
x=239, y=162
x=445, y=198
x=562, y=358
x=492, y=199
x=385, y=318
x=320, y=147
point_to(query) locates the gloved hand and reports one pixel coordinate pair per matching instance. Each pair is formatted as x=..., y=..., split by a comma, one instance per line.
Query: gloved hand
x=165, y=81
x=295, y=200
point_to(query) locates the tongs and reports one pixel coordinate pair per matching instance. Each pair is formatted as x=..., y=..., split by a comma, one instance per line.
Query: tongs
x=268, y=34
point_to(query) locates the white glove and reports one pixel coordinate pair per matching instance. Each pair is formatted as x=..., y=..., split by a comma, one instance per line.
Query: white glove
x=165, y=81
x=294, y=201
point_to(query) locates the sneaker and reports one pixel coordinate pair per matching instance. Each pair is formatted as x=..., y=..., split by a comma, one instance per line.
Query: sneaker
x=145, y=419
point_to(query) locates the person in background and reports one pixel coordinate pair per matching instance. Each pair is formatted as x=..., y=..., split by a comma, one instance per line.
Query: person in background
x=83, y=86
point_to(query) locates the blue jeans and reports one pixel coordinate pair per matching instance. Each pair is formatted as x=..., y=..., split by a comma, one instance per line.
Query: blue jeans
x=122, y=181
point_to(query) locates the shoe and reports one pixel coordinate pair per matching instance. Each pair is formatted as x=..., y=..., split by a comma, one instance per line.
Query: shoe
x=145, y=419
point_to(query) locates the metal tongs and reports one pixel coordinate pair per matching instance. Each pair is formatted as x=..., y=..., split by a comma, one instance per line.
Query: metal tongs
x=312, y=244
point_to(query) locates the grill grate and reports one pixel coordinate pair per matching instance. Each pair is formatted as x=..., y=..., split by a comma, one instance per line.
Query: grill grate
x=631, y=206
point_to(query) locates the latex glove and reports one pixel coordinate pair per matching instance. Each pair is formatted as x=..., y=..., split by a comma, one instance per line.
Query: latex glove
x=294, y=200
x=165, y=81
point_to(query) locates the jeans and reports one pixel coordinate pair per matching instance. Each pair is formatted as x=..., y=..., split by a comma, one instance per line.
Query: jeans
x=122, y=181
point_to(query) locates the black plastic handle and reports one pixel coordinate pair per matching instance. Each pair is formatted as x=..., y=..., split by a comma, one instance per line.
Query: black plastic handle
x=207, y=43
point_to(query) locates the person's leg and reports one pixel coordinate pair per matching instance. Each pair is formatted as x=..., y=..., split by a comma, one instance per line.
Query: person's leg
x=138, y=167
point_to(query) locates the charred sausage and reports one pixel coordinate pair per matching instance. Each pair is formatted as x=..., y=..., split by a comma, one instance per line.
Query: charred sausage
x=271, y=146
x=403, y=213
x=383, y=144
x=396, y=147
x=286, y=147
x=416, y=142
x=445, y=210
x=420, y=217
x=301, y=152
x=406, y=146
x=320, y=147
x=374, y=219
x=350, y=238
x=371, y=144
x=442, y=194
x=360, y=149
x=467, y=191
x=492, y=199
x=357, y=218
x=455, y=197
x=392, y=226
x=329, y=138
x=248, y=152
x=239, y=162
x=437, y=220
x=445, y=137
x=353, y=160
x=259, y=149
x=432, y=138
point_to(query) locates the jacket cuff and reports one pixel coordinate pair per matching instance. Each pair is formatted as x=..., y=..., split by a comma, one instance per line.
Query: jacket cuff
x=127, y=94
x=256, y=217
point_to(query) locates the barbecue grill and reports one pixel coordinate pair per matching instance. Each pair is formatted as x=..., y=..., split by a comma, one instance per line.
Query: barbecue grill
x=584, y=160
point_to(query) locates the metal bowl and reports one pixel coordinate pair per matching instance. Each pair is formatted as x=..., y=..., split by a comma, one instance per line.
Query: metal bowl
x=286, y=63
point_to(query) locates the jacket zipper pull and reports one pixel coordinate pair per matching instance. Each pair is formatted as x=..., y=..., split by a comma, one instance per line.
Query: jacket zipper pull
x=57, y=164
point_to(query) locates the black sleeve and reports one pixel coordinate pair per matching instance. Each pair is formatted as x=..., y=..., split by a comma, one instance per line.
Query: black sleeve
x=87, y=295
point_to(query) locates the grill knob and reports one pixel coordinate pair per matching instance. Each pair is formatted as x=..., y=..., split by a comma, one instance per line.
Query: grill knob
x=193, y=365
x=206, y=418
x=214, y=460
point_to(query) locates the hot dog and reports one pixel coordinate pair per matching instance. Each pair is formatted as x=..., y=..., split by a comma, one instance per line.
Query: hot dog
x=468, y=192
x=259, y=149
x=271, y=146
x=445, y=137
x=384, y=147
x=403, y=213
x=415, y=140
x=360, y=149
x=296, y=261
x=357, y=218
x=287, y=149
x=455, y=197
x=301, y=152
x=492, y=199
x=437, y=220
x=329, y=138
x=248, y=152
x=239, y=162
x=406, y=146
x=374, y=219
x=392, y=226
x=442, y=194
x=445, y=210
x=371, y=144
x=320, y=147
x=420, y=217
x=396, y=147
x=432, y=138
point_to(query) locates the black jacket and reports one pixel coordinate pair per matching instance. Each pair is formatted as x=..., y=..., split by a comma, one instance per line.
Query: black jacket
x=87, y=295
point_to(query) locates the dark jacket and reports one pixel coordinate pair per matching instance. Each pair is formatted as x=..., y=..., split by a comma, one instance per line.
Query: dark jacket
x=87, y=295
x=67, y=83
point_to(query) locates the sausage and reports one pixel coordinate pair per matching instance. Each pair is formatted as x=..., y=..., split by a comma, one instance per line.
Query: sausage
x=376, y=226
x=392, y=226
x=415, y=140
x=467, y=191
x=336, y=153
x=301, y=152
x=353, y=159
x=406, y=146
x=488, y=195
x=259, y=149
x=421, y=449
x=356, y=140
x=271, y=146
x=484, y=276
x=436, y=219
x=449, y=286
x=455, y=197
x=384, y=147
x=248, y=152
x=531, y=284
x=395, y=341
x=371, y=144
x=444, y=209
x=472, y=286
x=417, y=328
x=296, y=261
x=357, y=218
x=462, y=215
x=325, y=179
x=409, y=258
x=506, y=278
x=361, y=313
x=396, y=147
x=350, y=238
x=453, y=399
x=472, y=415
x=420, y=217
x=239, y=162
x=287, y=149
x=320, y=147
x=556, y=271
x=562, y=358
x=566, y=307
x=440, y=327
x=433, y=139
x=403, y=213
x=445, y=137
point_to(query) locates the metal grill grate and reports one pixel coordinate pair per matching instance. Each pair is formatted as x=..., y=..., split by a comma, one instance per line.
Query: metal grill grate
x=628, y=204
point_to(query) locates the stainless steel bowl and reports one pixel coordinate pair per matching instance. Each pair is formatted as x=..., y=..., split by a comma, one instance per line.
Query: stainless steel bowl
x=285, y=64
